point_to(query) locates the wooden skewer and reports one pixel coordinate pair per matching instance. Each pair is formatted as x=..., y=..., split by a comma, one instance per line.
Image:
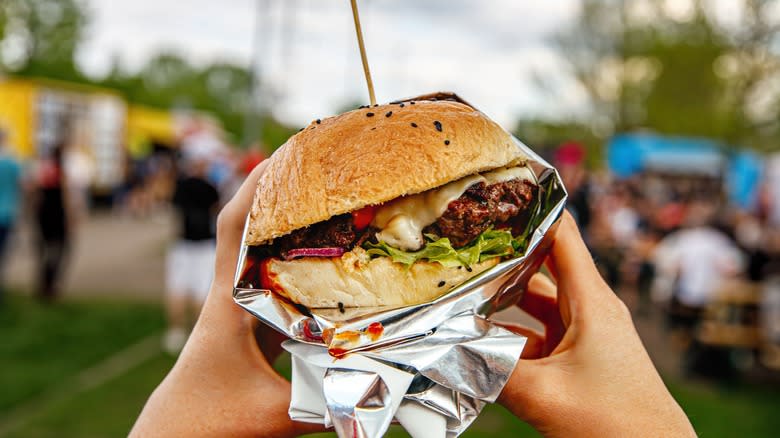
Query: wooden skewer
x=363, y=57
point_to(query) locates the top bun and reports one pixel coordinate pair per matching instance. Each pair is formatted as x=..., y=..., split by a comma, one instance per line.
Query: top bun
x=372, y=155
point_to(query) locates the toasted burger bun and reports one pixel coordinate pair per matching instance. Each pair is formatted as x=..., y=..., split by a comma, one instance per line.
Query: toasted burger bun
x=352, y=160
x=355, y=280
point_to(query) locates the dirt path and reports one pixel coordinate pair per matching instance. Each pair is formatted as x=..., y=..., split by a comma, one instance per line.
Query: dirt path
x=111, y=254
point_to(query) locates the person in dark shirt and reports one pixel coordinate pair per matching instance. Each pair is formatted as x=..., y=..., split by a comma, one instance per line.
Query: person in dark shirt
x=191, y=259
x=54, y=222
x=195, y=199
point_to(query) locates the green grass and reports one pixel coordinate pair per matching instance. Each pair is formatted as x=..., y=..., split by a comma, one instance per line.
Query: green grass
x=43, y=346
x=107, y=411
x=730, y=411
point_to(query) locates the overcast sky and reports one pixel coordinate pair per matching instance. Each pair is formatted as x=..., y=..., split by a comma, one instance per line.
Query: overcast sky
x=486, y=51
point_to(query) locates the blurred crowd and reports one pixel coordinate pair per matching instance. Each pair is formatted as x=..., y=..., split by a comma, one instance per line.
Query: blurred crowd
x=194, y=177
x=675, y=248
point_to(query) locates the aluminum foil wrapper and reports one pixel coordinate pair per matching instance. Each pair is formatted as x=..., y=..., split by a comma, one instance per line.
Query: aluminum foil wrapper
x=431, y=367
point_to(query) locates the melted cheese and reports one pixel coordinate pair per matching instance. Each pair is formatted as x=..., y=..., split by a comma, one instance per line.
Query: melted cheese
x=402, y=220
x=508, y=174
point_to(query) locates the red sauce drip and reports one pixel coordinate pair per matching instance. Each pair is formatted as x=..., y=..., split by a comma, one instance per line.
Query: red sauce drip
x=375, y=330
x=309, y=334
x=337, y=352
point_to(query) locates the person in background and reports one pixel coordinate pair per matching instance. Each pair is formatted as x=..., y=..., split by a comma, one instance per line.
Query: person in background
x=54, y=219
x=569, y=159
x=251, y=158
x=10, y=188
x=643, y=250
x=223, y=173
x=191, y=259
x=80, y=171
x=696, y=260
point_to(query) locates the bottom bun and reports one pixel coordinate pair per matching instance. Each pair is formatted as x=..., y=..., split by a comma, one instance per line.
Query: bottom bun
x=356, y=280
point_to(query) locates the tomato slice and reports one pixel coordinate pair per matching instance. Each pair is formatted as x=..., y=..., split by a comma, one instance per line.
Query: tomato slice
x=363, y=217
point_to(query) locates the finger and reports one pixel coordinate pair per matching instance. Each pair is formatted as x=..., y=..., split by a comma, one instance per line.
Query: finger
x=302, y=428
x=569, y=255
x=525, y=389
x=219, y=308
x=540, y=298
x=550, y=267
x=237, y=208
x=269, y=341
x=230, y=227
x=579, y=283
x=534, y=344
x=541, y=302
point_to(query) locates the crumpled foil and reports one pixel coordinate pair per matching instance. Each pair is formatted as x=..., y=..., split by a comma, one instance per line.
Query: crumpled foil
x=432, y=367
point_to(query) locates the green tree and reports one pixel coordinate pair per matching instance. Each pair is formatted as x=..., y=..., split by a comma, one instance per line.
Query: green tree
x=45, y=35
x=226, y=90
x=644, y=66
x=687, y=96
x=752, y=70
x=170, y=81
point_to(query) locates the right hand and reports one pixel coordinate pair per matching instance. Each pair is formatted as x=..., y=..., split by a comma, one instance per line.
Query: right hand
x=588, y=374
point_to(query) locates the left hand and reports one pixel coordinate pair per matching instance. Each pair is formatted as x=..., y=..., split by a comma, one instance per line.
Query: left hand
x=223, y=383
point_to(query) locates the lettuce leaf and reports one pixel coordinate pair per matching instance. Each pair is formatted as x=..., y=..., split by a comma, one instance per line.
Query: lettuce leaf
x=491, y=243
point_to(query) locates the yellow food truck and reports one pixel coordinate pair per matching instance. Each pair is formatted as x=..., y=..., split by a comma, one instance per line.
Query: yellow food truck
x=39, y=113
x=98, y=123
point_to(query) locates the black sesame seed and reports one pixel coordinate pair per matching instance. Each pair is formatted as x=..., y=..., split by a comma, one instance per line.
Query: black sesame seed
x=442, y=283
x=437, y=124
x=363, y=107
x=468, y=268
x=300, y=130
x=376, y=105
x=369, y=114
x=401, y=105
x=446, y=142
x=373, y=128
x=414, y=125
x=389, y=113
x=460, y=267
x=411, y=103
x=341, y=307
x=319, y=121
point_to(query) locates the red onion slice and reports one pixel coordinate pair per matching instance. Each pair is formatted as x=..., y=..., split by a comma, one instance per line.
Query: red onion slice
x=315, y=252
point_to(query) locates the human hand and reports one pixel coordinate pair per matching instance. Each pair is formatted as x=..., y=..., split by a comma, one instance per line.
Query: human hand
x=588, y=374
x=223, y=383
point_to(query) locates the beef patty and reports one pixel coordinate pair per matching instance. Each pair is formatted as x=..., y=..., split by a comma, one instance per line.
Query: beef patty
x=480, y=207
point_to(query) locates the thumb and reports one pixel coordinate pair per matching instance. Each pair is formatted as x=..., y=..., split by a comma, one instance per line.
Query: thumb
x=532, y=393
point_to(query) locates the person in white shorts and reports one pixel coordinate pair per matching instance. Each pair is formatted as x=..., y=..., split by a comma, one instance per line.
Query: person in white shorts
x=190, y=263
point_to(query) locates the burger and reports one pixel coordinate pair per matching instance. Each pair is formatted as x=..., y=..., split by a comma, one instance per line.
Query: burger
x=389, y=205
